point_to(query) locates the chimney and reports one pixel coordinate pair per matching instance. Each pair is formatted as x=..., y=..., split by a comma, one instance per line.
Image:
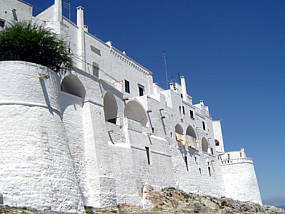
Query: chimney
x=183, y=86
x=57, y=13
x=81, y=38
x=86, y=28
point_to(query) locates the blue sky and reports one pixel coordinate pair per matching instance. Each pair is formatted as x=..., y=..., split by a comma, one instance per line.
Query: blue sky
x=231, y=53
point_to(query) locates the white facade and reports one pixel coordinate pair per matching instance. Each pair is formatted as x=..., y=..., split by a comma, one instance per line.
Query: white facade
x=98, y=134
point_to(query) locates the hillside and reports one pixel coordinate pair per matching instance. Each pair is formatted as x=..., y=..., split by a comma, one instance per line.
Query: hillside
x=170, y=200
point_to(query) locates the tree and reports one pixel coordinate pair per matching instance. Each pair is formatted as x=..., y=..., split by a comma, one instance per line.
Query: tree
x=34, y=43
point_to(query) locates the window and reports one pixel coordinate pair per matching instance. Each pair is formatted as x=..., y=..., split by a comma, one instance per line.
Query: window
x=95, y=50
x=2, y=23
x=209, y=169
x=212, y=151
x=183, y=110
x=127, y=86
x=217, y=143
x=191, y=114
x=95, y=69
x=204, y=127
x=141, y=89
x=186, y=162
x=180, y=112
x=200, y=171
x=147, y=155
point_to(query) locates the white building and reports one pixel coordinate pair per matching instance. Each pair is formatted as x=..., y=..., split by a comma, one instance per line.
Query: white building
x=98, y=134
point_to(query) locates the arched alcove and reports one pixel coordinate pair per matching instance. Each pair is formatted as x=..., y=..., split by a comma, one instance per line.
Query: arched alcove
x=110, y=107
x=191, y=138
x=217, y=143
x=179, y=134
x=205, y=145
x=135, y=111
x=72, y=85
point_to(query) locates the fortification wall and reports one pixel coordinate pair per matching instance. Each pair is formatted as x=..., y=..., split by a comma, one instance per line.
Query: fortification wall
x=35, y=167
x=240, y=180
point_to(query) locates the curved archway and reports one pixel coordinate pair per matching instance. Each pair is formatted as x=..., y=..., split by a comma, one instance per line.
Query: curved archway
x=205, y=145
x=179, y=134
x=191, y=138
x=72, y=85
x=110, y=107
x=135, y=111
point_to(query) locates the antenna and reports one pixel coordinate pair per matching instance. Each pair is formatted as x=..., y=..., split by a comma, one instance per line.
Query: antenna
x=166, y=82
x=67, y=6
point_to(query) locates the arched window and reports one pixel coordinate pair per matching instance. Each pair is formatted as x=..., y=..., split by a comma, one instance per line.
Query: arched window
x=135, y=111
x=72, y=85
x=110, y=107
x=205, y=145
x=179, y=134
x=217, y=143
x=191, y=138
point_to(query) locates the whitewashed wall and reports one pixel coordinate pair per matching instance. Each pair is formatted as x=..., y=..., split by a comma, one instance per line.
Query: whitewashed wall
x=36, y=168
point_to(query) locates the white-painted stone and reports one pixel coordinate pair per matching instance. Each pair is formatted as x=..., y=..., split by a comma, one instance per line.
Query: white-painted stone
x=78, y=139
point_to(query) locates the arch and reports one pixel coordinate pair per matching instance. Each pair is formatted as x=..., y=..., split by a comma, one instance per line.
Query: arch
x=205, y=145
x=179, y=134
x=191, y=138
x=72, y=85
x=217, y=143
x=135, y=111
x=110, y=107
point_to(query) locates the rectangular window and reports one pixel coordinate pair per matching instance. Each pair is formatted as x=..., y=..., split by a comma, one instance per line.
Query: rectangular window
x=186, y=162
x=95, y=69
x=147, y=155
x=127, y=86
x=180, y=112
x=183, y=109
x=191, y=114
x=141, y=89
x=95, y=50
x=209, y=169
x=2, y=23
x=204, y=127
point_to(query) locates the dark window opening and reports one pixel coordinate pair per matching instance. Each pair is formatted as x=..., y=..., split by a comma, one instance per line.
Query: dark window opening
x=186, y=162
x=191, y=114
x=141, y=91
x=217, y=142
x=183, y=109
x=209, y=169
x=152, y=130
x=127, y=86
x=182, y=96
x=204, y=128
x=212, y=151
x=200, y=171
x=147, y=155
x=180, y=112
x=2, y=23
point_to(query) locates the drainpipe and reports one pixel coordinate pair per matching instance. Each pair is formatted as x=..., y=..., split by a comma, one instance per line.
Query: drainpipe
x=81, y=40
x=57, y=16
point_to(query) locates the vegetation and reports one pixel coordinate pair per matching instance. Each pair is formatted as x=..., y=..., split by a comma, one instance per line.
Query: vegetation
x=34, y=43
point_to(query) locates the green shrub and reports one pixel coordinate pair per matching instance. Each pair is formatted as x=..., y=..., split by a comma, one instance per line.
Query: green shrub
x=34, y=43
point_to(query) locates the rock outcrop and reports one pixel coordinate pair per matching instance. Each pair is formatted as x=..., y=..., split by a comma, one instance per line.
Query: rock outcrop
x=171, y=200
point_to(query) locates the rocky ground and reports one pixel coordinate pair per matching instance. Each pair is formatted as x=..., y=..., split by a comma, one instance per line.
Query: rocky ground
x=170, y=201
